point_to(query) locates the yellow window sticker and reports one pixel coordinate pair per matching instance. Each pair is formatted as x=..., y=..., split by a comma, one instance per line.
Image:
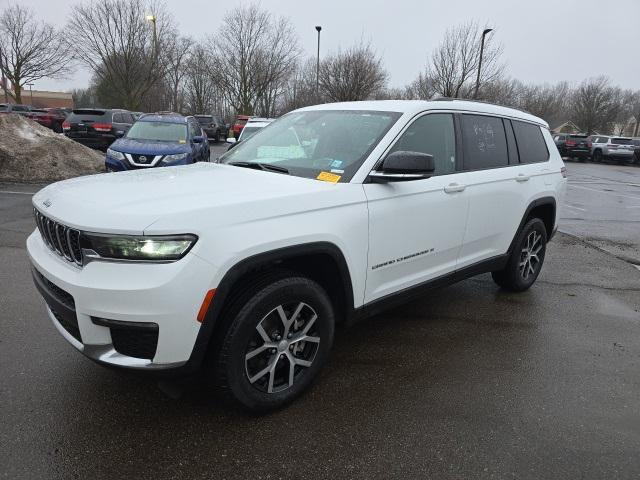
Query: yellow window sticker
x=182, y=141
x=328, y=177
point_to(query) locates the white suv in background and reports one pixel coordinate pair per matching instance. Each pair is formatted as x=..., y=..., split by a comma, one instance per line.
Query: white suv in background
x=332, y=212
x=603, y=147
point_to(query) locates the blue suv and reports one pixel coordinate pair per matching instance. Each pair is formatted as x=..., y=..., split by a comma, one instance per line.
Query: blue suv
x=159, y=140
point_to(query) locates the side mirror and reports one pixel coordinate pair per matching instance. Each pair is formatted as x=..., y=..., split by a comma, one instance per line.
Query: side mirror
x=198, y=139
x=231, y=140
x=403, y=166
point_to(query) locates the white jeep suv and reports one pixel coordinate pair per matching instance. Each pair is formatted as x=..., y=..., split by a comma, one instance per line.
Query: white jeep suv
x=329, y=213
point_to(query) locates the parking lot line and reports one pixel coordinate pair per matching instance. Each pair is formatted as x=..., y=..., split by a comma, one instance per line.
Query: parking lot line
x=633, y=197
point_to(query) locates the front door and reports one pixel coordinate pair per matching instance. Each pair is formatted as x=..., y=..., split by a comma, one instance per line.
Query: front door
x=416, y=227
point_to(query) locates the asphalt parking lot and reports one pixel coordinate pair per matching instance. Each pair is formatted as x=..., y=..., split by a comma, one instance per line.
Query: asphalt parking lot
x=469, y=382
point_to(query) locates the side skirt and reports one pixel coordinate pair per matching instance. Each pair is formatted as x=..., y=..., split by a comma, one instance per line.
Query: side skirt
x=416, y=291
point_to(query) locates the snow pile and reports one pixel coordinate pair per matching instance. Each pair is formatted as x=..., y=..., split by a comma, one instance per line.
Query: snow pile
x=32, y=153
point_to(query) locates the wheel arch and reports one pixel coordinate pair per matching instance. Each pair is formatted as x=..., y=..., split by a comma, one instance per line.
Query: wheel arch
x=321, y=261
x=545, y=209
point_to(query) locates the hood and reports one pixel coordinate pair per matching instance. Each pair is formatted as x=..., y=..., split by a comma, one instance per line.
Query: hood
x=129, y=202
x=141, y=147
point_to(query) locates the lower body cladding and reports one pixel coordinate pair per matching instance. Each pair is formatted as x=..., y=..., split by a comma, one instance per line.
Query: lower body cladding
x=137, y=316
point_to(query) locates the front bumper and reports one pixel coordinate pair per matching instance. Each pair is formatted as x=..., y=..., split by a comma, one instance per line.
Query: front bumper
x=88, y=305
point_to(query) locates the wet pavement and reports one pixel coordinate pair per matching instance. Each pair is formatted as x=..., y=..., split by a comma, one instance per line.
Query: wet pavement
x=468, y=382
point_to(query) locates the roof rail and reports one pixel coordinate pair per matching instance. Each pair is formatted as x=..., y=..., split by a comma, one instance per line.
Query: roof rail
x=485, y=102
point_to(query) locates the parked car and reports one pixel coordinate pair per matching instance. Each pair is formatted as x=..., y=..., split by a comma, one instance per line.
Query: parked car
x=573, y=145
x=252, y=126
x=636, y=150
x=214, y=126
x=97, y=127
x=239, y=124
x=15, y=108
x=620, y=149
x=49, y=117
x=158, y=141
x=341, y=211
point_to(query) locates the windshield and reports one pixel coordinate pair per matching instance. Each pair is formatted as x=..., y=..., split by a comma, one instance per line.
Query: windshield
x=158, y=131
x=310, y=143
x=248, y=132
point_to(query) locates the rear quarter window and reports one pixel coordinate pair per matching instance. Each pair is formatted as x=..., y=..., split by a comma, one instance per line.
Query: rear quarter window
x=531, y=144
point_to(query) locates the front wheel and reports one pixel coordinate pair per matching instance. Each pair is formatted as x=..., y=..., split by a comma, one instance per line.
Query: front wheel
x=597, y=156
x=279, y=336
x=525, y=262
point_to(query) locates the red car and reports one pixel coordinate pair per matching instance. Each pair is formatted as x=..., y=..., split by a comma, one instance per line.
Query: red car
x=239, y=124
x=49, y=117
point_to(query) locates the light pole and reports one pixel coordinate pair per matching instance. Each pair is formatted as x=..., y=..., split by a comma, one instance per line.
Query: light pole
x=30, y=92
x=152, y=19
x=4, y=79
x=318, y=29
x=484, y=34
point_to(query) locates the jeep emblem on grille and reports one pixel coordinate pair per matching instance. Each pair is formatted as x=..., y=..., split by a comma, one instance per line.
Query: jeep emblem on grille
x=47, y=203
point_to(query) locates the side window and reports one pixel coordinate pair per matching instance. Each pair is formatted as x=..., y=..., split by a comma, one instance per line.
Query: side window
x=194, y=130
x=433, y=134
x=117, y=118
x=514, y=158
x=485, y=142
x=531, y=144
x=129, y=118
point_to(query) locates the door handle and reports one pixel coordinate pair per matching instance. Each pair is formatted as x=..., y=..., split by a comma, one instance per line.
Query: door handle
x=454, y=188
x=522, y=177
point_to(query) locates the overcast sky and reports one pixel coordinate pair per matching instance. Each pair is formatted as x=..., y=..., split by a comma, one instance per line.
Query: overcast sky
x=544, y=40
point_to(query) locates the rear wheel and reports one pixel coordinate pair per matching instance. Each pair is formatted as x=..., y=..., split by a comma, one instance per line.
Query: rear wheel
x=525, y=262
x=279, y=336
x=597, y=156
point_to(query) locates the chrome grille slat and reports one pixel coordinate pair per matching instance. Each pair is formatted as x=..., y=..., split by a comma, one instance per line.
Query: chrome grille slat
x=59, y=238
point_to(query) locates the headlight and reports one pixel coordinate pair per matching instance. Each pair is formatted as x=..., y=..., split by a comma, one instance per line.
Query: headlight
x=125, y=247
x=115, y=154
x=175, y=157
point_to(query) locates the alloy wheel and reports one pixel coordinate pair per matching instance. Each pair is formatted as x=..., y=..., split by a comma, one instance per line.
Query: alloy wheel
x=529, y=256
x=283, y=346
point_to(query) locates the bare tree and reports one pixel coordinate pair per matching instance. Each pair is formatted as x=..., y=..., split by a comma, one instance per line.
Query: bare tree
x=355, y=74
x=115, y=40
x=30, y=50
x=256, y=56
x=634, y=107
x=177, y=55
x=454, y=63
x=596, y=105
x=199, y=80
x=422, y=88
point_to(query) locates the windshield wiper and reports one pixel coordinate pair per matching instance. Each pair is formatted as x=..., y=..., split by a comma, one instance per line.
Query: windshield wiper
x=260, y=166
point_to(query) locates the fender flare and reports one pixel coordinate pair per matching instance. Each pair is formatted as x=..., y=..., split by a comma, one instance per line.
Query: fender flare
x=253, y=262
x=536, y=203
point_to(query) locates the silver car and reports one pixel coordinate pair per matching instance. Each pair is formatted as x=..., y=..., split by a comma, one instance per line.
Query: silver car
x=614, y=148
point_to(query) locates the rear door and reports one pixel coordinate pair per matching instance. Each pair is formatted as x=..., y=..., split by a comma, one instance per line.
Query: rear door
x=416, y=227
x=500, y=179
x=81, y=121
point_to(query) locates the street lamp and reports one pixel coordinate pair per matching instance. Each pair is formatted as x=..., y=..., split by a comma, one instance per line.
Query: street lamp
x=318, y=29
x=484, y=34
x=30, y=91
x=152, y=19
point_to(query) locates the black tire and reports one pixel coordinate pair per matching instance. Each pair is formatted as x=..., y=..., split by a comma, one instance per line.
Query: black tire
x=518, y=276
x=238, y=378
x=217, y=138
x=57, y=127
x=597, y=156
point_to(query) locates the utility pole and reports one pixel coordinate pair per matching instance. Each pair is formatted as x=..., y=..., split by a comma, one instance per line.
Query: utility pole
x=4, y=79
x=31, y=92
x=318, y=29
x=484, y=34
